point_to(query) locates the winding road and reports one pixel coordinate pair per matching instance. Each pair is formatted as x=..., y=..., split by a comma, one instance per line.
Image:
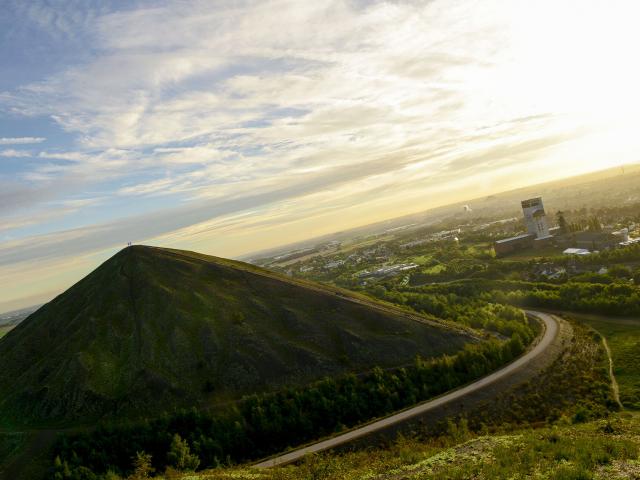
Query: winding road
x=550, y=332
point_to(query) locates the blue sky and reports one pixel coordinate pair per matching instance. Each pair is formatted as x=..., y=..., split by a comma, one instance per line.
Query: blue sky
x=230, y=127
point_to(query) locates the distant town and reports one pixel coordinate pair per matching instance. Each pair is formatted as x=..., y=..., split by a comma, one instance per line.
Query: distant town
x=479, y=239
x=579, y=239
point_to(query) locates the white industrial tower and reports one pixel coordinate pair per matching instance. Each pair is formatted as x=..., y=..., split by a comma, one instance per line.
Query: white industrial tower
x=535, y=217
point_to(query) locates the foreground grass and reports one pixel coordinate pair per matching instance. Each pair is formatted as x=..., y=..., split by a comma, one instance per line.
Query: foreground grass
x=604, y=449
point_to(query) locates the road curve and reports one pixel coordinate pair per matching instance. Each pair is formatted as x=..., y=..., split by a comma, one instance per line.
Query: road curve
x=551, y=330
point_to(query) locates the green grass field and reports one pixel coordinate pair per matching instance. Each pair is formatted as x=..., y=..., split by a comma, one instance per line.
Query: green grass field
x=533, y=254
x=623, y=336
x=421, y=259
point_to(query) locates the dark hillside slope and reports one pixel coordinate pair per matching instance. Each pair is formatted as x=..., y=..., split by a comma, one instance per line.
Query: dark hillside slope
x=152, y=329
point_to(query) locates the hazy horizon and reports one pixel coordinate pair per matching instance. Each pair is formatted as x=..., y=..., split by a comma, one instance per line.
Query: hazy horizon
x=242, y=130
x=38, y=299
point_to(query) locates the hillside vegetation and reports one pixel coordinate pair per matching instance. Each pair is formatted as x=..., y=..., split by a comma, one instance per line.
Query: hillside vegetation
x=264, y=424
x=537, y=431
x=601, y=450
x=154, y=329
x=572, y=390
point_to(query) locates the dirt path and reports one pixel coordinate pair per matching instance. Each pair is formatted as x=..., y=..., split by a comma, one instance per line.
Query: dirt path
x=586, y=317
x=614, y=382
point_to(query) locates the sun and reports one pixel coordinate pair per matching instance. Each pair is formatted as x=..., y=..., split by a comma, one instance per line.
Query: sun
x=576, y=60
x=578, y=57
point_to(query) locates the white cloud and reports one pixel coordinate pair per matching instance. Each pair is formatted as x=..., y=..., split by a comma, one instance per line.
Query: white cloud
x=10, y=152
x=236, y=108
x=21, y=140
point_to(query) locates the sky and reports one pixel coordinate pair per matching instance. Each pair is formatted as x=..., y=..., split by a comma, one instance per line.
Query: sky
x=229, y=127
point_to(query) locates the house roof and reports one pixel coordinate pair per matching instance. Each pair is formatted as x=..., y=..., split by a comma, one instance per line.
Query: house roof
x=576, y=251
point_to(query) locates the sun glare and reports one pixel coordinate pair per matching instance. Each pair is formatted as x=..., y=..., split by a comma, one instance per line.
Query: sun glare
x=577, y=58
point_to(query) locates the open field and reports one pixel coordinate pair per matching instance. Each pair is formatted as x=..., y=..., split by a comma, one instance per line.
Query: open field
x=532, y=254
x=623, y=336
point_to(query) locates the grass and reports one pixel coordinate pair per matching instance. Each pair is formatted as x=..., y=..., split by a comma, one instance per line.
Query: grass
x=421, y=259
x=532, y=254
x=601, y=450
x=435, y=270
x=623, y=337
x=575, y=386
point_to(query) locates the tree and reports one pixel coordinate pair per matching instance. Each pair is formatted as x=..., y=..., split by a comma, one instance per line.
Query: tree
x=620, y=271
x=562, y=222
x=82, y=473
x=180, y=456
x=111, y=475
x=61, y=469
x=142, y=466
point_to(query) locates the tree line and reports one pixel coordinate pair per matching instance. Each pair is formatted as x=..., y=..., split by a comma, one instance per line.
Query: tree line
x=457, y=299
x=467, y=303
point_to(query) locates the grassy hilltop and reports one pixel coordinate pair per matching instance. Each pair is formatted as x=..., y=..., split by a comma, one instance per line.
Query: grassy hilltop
x=152, y=329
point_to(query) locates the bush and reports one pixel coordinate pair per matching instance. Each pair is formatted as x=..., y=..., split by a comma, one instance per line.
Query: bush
x=180, y=457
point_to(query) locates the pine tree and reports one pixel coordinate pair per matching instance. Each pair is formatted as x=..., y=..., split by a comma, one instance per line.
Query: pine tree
x=562, y=222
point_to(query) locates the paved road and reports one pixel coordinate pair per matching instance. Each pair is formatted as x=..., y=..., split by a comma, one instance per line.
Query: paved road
x=551, y=329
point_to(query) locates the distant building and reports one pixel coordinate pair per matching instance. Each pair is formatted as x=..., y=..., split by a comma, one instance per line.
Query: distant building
x=538, y=232
x=576, y=251
x=514, y=244
x=631, y=241
x=535, y=218
x=622, y=235
x=389, y=270
x=334, y=264
x=595, y=240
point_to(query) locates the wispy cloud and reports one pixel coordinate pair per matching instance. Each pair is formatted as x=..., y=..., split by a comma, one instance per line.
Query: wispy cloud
x=21, y=140
x=12, y=153
x=252, y=114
